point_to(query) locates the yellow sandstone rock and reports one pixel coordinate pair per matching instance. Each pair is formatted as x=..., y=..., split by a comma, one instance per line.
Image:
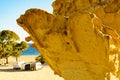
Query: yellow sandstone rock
x=75, y=40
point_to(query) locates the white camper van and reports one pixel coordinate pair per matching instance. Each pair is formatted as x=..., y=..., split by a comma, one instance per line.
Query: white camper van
x=27, y=66
x=17, y=65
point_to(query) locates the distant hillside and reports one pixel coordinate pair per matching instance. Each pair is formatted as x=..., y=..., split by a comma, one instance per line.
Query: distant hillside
x=30, y=51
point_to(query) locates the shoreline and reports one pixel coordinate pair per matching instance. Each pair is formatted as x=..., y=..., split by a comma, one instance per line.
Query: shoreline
x=25, y=58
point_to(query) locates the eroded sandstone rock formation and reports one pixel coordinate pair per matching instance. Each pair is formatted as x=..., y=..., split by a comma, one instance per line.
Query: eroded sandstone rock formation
x=76, y=39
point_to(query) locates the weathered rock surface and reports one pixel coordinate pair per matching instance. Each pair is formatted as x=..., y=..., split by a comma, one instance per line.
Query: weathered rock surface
x=75, y=40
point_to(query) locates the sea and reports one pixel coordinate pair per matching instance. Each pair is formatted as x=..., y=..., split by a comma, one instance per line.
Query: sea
x=30, y=51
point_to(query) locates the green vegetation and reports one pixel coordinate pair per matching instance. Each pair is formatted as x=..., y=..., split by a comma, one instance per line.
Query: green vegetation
x=18, y=48
x=40, y=58
x=9, y=45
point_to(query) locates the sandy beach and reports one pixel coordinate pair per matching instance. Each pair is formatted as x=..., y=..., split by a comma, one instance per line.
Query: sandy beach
x=45, y=73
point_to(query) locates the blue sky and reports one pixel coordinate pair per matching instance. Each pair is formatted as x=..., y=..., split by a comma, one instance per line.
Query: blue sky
x=10, y=10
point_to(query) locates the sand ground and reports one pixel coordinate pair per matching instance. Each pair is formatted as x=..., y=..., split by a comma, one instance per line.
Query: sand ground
x=45, y=73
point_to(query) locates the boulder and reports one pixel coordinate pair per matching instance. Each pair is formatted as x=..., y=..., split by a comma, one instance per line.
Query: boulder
x=76, y=40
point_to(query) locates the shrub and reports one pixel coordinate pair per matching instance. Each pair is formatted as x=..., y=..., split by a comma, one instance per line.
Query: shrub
x=40, y=58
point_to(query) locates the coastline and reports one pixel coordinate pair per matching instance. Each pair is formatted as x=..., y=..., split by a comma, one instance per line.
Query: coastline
x=25, y=58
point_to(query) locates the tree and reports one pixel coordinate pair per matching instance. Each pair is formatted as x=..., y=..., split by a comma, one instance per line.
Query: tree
x=1, y=51
x=7, y=35
x=7, y=38
x=18, y=48
x=9, y=45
